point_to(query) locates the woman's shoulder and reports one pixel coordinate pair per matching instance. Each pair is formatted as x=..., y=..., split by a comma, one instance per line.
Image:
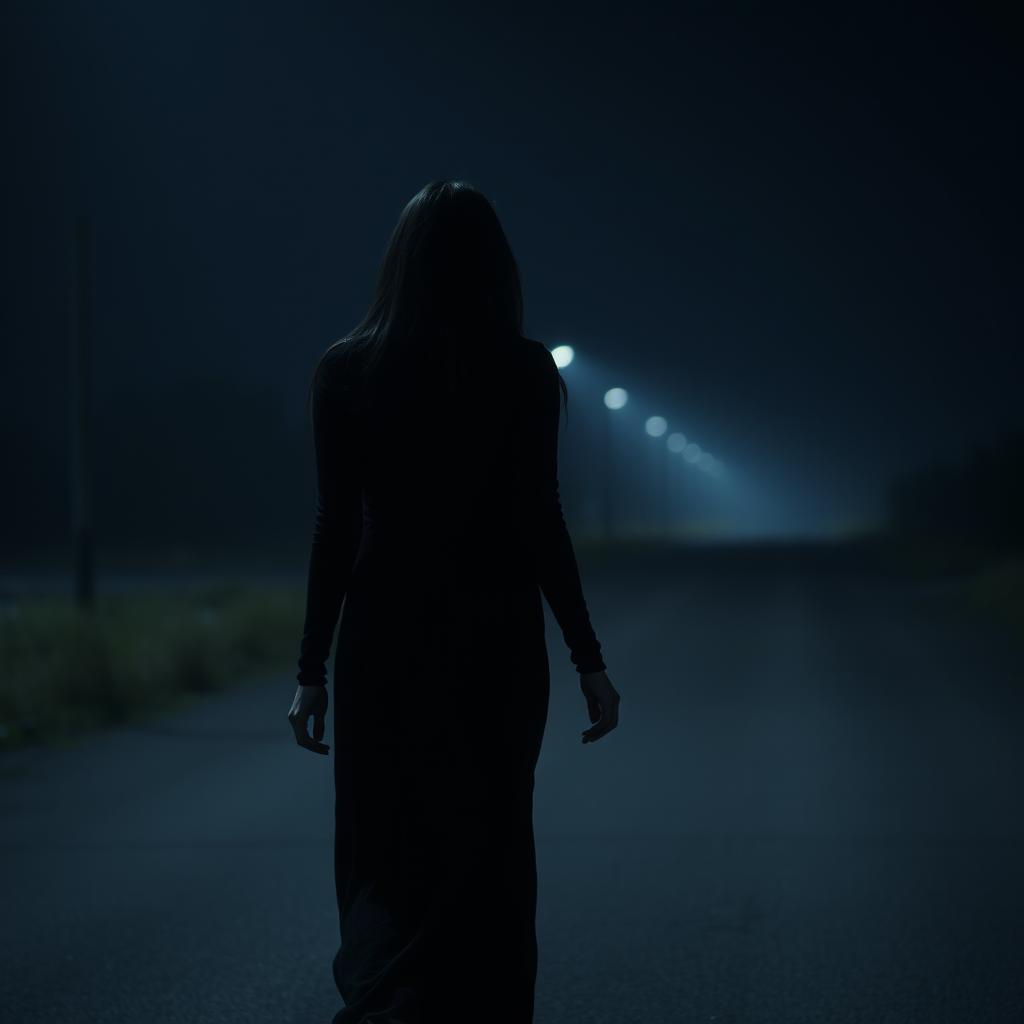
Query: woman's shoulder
x=338, y=376
x=538, y=355
x=541, y=365
x=510, y=357
x=339, y=366
x=342, y=356
x=532, y=345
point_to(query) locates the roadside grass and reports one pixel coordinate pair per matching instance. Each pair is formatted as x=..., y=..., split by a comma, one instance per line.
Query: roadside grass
x=987, y=580
x=64, y=670
x=928, y=556
x=998, y=591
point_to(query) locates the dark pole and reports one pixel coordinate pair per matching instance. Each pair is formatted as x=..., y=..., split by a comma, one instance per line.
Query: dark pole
x=609, y=483
x=666, y=490
x=670, y=493
x=659, y=523
x=81, y=433
x=672, y=476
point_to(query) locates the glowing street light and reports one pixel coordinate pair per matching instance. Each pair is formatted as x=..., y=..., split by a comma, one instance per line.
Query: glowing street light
x=656, y=425
x=616, y=398
x=562, y=355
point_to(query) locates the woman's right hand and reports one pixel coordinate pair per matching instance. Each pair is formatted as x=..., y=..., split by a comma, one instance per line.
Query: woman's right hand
x=602, y=704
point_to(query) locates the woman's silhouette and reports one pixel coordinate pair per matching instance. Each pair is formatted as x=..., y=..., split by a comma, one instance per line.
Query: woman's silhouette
x=439, y=523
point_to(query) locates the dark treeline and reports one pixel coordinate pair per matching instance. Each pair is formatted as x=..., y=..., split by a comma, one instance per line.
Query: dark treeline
x=977, y=499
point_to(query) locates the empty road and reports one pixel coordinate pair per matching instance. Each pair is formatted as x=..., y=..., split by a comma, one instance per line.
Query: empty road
x=811, y=812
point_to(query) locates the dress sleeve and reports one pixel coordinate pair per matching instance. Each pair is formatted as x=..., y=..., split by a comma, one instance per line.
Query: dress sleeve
x=557, y=569
x=337, y=523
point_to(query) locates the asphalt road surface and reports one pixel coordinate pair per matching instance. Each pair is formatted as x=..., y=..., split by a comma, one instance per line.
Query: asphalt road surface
x=811, y=812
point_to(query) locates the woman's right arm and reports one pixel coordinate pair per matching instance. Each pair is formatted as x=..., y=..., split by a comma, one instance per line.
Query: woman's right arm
x=337, y=523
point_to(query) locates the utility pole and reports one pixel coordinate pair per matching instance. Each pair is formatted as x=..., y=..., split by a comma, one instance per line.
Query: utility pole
x=81, y=420
x=665, y=489
x=608, y=476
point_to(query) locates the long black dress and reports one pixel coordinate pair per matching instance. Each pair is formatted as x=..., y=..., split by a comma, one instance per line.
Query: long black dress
x=439, y=523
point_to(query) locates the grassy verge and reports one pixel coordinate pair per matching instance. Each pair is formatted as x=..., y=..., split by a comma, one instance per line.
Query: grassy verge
x=988, y=580
x=64, y=670
x=926, y=556
x=998, y=591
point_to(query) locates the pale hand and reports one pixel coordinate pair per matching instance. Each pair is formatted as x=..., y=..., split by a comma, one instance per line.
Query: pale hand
x=602, y=704
x=309, y=702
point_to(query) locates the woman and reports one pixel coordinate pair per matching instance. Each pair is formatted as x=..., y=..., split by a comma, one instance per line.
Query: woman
x=439, y=523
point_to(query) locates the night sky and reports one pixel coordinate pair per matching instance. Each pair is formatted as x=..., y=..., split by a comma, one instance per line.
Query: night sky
x=793, y=232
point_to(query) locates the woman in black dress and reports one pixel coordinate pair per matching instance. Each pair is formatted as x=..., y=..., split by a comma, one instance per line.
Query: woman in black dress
x=439, y=523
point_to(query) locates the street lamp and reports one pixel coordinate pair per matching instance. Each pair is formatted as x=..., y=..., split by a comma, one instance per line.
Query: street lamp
x=563, y=355
x=656, y=426
x=614, y=399
x=675, y=443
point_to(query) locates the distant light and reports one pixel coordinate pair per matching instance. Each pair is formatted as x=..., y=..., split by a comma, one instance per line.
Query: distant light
x=562, y=355
x=656, y=425
x=676, y=442
x=705, y=461
x=691, y=452
x=616, y=398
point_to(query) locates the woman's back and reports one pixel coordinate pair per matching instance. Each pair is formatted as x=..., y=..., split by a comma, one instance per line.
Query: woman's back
x=448, y=447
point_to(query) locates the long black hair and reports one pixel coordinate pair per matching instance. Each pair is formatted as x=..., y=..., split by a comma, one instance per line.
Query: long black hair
x=447, y=270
